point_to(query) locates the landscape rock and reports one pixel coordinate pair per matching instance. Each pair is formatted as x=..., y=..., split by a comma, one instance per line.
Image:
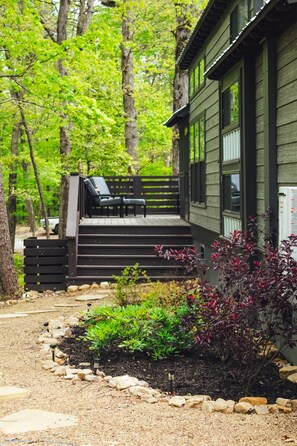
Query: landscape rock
x=84, y=287
x=208, y=406
x=123, y=382
x=287, y=370
x=61, y=333
x=13, y=393
x=91, y=378
x=254, y=400
x=283, y=402
x=60, y=371
x=243, y=407
x=142, y=392
x=55, y=324
x=273, y=408
x=104, y=285
x=72, y=321
x=94, y=286
x=196, y=400
x=294, y=405
x=220, y=405
x=230, y=407
x=48, y=364
x=293, y=378
x=261, y=409
x=84, y=364
x=72, y=288
x=177, y=401
x=60, y=354
x=284, y=409
x=152, y=400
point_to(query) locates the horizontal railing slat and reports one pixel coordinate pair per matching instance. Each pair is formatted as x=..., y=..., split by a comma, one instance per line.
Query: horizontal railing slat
x=46, y=264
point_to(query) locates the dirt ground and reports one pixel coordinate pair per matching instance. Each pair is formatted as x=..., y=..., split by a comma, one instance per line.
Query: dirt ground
x=107, y=416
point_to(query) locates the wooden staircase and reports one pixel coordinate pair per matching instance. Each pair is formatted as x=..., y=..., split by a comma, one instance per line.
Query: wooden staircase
x=106, y=246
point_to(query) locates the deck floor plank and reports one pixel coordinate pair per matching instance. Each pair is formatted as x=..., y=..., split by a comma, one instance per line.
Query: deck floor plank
x=166, y=220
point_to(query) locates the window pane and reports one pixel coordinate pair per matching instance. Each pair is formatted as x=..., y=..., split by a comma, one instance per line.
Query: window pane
x=191, y=83
x=201, y=73
x=231, y=190
x=242, y=14
x=230, y=105
x=196, y=141
x=201, y=139
x=258, y=5
x=192, y=147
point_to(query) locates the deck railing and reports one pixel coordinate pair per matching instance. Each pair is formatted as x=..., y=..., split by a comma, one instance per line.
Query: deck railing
x=161, y=194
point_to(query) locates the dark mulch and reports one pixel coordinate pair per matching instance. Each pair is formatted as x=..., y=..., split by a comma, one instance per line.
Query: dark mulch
x=195, y=372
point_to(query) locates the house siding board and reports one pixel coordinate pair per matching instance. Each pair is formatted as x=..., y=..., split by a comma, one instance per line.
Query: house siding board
x=218, y=41
x=286, y=107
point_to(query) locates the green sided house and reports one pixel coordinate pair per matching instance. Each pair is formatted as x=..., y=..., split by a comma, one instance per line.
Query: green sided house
x=238, y=132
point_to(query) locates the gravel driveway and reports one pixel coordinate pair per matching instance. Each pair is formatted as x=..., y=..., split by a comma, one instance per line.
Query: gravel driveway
x=107, y=416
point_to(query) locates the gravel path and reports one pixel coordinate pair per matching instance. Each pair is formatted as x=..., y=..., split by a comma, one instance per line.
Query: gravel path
x=108, y=417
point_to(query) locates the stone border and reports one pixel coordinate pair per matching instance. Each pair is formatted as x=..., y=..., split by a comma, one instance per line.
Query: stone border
x=59, y=328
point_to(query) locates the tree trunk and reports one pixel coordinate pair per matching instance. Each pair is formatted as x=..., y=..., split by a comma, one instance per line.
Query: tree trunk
x=131, y=132
x=8, y=277
x=32, y=157
x=12, y=201
x=29, y=205
x=180, y=82
x=85, y=16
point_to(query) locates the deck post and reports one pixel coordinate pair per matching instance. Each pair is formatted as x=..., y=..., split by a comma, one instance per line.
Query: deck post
x=137, y=190
x=73, y=218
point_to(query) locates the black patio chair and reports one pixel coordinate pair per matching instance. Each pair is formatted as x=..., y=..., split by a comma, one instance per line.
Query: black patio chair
x=95, y=200
x=101, y=186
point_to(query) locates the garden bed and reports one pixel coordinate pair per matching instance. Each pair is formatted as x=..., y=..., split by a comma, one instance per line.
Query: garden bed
x=196, y=372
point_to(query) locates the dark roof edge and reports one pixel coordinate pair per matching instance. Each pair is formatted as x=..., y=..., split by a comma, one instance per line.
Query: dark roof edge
x=177, y=115
x=182, y=61
x=213, y=71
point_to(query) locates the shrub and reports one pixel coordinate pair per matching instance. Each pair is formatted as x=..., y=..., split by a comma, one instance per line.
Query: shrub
x=254, y=302
x=170, y=294
x=128, y=285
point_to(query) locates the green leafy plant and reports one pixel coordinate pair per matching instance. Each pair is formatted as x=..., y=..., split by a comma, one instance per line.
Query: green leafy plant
x=19, y=266
x=128, y=284
x=156, y=331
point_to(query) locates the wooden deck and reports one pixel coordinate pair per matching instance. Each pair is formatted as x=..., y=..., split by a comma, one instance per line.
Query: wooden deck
x=151, y=220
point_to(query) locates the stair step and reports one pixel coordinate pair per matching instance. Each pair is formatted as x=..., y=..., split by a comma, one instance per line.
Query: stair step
x=81, y=280
x=116, y=270
x=119, y=259
x=143, y=239
x=92, y=249
x=141, y=229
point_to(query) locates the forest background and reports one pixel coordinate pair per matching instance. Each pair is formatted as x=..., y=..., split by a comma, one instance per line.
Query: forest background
x=85, y=86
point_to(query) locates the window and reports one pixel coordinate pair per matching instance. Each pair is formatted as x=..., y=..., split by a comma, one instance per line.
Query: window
x=197, y=79
x=197, y=160
x=231, y=154
x=238, y=18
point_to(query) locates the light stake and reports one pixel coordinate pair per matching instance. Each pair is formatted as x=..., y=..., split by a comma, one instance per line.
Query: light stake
x=95, y=366
x=89, y=306
x=171, y=382
x=53, y=349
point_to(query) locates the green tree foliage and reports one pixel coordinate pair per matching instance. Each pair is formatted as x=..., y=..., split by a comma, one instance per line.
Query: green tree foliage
x=89, y=97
